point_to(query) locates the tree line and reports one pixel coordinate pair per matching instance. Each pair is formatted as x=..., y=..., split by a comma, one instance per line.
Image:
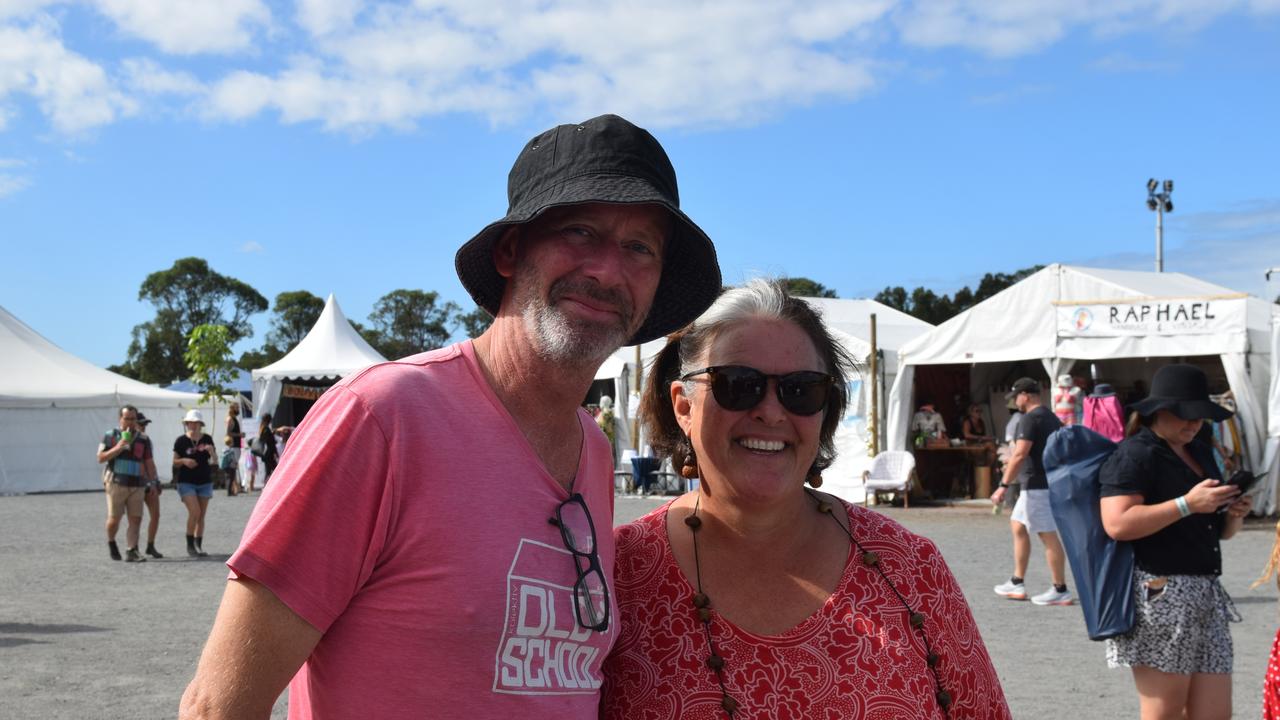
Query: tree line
x=191, y=294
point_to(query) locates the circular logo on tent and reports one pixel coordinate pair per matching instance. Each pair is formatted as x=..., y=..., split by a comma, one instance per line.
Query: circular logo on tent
x=1082, y=318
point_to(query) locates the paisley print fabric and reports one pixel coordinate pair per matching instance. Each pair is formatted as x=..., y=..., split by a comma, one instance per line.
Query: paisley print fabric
x=857, y=657
x=1181, y=626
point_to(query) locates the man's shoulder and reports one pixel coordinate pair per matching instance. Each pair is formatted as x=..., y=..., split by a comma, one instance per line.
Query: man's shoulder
x=438, y=364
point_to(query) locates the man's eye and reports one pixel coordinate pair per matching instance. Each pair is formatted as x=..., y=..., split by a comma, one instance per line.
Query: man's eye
x=642, y=249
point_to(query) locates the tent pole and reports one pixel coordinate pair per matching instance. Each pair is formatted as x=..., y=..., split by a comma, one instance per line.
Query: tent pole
x=874, y=415
x=635, y=426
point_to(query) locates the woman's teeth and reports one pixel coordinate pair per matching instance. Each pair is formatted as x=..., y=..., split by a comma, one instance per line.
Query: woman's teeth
x=763, y=445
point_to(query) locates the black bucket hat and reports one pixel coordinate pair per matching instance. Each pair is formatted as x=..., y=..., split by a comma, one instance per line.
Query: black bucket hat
x=602, y=160
x=1184, y=390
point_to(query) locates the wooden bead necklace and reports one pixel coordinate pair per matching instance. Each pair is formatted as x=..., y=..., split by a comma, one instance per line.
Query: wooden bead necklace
x=703, y=605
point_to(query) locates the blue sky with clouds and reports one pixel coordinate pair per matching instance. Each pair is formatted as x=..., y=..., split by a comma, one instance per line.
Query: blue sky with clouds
x=350, y=147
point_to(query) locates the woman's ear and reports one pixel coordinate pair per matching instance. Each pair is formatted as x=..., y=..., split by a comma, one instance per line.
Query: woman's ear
x=682, y=406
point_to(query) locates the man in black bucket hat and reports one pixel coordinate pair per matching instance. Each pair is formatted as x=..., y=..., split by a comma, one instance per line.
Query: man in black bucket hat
x=438, y=539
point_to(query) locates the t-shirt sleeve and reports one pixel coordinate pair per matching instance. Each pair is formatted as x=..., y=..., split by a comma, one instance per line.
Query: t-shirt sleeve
x=1125, y=472
x=317, y=532
x=1026, y=428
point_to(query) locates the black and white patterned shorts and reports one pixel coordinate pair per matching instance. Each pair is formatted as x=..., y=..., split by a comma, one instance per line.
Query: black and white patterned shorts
x=1180, y=628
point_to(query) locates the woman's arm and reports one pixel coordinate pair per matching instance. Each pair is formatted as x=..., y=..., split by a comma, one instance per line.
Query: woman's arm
x=1125, y=517
x=1235, y=516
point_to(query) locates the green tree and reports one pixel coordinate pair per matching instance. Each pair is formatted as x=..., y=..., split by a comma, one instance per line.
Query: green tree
x=185, y=296
x=292, y=317
x=294, y=314
x=927, y=305
x=208, y=356
x=804, y=287
x=475, y=322
x=406, y=322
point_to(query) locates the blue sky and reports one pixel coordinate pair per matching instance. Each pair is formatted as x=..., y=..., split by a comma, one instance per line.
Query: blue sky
x=350, y=147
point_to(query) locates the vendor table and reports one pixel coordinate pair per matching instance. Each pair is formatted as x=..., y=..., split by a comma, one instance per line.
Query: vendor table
x=949, y=471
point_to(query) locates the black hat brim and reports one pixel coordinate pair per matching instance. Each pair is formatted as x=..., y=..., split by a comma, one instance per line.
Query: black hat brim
x=1185, y=409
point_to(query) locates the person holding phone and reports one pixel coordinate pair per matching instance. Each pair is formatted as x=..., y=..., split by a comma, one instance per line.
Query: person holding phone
x=192, y=458
x=1163, y=492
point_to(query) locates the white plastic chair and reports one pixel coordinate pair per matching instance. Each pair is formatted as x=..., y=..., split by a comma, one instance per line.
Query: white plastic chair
x=892, y=471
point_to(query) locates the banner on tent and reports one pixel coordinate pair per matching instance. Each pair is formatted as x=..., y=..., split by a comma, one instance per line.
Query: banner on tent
x=1157, y=316
x=302, y=392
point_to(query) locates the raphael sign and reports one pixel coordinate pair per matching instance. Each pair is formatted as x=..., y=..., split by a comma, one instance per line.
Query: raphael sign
x=1156, y=316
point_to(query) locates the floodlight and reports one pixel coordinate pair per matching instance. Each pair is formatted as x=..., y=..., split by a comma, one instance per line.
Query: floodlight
x=1152, y=185
x=1152, y=204
x=1168, y=206
x=1168, y=186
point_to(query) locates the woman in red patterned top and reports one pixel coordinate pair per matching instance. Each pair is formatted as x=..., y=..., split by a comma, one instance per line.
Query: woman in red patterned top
x=753, y=596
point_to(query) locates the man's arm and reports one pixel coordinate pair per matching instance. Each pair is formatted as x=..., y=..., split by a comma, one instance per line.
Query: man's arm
x=1021, y=451
x=109, y=453
x=256, y=646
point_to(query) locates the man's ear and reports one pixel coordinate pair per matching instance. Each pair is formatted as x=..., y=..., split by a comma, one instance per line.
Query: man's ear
x=505, y=252
x=682, y=406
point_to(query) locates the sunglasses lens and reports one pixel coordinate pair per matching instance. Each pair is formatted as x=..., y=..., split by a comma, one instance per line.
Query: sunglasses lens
x=575, y=525
x=803, y=393
x=738, y=388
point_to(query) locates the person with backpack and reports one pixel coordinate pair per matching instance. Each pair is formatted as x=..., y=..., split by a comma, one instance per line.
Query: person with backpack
x=1162, y=492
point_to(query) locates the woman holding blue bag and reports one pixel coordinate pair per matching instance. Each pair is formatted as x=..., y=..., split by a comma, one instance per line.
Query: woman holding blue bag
x=1162, y=491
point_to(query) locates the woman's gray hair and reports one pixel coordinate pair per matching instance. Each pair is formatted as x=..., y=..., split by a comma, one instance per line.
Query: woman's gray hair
x=756, y=300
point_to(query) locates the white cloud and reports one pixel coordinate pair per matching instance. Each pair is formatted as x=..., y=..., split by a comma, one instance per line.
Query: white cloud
x=184, y=27
x=72, y=91
x=321, y=17
x=358, y=66
x=147, y=77
x=1006, y=28
x=10, y=184
x=253, y=248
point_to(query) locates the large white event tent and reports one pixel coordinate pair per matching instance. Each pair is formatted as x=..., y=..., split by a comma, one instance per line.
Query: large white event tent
x=55, y=408
x=850, y=322
x=1272, y=456
x=331, y=350
x=1118, y=319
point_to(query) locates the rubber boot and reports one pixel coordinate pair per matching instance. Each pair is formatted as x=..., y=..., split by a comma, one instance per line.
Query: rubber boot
x=115, y=550
x=191, y=546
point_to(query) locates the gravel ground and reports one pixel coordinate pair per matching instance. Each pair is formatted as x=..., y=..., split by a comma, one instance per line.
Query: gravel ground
x=84, y=637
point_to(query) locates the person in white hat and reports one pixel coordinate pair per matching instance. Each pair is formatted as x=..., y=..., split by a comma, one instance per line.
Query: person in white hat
x=192, y=466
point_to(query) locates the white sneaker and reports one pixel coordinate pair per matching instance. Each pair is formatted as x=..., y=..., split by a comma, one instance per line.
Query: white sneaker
x=1053, y=597
x=1011, y=590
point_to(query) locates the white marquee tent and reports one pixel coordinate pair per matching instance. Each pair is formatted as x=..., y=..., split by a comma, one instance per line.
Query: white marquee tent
x=55, y=408
x=331, y=350
x=1065, y=314
x=1271, y=462
x=850, y=321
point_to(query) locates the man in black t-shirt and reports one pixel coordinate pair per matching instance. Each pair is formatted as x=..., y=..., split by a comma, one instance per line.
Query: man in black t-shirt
x=1032, y=513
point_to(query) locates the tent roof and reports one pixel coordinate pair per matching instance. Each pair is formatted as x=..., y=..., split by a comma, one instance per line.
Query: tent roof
x=848, y=318
x=1021, y=323
x=242, y=382
x=36, y=373
x=332, y=348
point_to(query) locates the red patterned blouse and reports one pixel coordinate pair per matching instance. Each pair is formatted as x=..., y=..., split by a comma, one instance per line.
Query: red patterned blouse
x=858, y=657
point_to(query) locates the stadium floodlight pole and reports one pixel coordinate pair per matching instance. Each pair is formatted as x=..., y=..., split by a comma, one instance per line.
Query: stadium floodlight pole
x=1160, y=203
x=1272, y=271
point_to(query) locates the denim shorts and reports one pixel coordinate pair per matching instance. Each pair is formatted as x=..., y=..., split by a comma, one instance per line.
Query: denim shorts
x=203, y=490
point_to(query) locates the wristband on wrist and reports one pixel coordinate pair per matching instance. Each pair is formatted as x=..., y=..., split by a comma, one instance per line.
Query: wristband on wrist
x=1183, y=508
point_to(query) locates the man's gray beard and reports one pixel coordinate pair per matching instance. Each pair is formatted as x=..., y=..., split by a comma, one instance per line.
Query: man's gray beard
x=558, y=340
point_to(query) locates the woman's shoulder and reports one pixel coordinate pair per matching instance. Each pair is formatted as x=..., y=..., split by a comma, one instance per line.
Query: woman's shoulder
x=871, y=527
x=645, y=529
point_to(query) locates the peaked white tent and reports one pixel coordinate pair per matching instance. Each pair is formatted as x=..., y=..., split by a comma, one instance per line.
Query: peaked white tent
x=331, y=350
x=1271, y=460
x=1064, y=314
x=55, y=408
x=850, y=322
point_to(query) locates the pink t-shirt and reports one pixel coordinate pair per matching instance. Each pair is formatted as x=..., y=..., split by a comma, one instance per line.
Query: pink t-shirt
x=409, y=523
x=857, y=657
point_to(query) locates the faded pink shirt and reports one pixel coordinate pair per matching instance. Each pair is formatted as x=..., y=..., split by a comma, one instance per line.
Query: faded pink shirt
x=409, y=524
